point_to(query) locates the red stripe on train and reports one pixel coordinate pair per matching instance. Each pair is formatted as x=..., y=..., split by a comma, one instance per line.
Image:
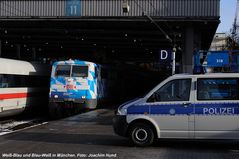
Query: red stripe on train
x=13, y=95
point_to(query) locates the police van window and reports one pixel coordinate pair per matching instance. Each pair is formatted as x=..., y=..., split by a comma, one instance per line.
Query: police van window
x=175, y=90
x=63, y=70
x=218, y=89
x=79, y=71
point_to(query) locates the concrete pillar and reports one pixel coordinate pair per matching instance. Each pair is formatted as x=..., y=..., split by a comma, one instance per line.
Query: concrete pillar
x=18, y=46
x=187, y=55
x=197, y=42
x=34, y=54
x=0, y=48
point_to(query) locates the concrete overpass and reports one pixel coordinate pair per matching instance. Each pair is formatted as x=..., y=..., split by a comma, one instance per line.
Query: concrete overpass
x=100, y=30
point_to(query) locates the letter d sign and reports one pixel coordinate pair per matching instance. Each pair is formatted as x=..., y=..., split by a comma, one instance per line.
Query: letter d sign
x=163, y=55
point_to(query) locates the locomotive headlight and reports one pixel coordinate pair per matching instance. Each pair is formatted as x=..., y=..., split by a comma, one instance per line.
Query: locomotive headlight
x=55, y=96
x=83, y=97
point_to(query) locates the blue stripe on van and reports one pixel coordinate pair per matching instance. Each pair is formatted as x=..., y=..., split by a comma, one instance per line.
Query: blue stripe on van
x=138, y=109
x=171, y=109
x=178, y=109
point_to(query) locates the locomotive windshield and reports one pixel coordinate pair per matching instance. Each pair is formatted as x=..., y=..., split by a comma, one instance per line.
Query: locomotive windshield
x=63, y=70
x=79, y=71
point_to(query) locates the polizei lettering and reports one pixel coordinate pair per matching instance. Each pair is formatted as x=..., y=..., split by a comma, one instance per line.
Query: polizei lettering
x=218, y=111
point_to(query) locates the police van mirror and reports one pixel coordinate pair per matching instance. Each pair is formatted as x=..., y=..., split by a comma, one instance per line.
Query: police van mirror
x=155, y=97
x=151, y=99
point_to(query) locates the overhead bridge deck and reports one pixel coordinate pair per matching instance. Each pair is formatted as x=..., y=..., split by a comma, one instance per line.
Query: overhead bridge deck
x=32, y=29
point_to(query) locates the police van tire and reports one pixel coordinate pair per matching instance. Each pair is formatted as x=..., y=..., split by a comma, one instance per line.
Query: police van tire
x=141, y=135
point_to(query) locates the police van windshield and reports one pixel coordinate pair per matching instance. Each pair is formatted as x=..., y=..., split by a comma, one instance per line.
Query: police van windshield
x=77, y=71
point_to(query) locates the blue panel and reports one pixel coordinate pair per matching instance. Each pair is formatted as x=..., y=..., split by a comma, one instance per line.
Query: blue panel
x=172, y=109
x=138, y=109
x=197, y=58
x=218, y=59
x=73, y=8
x=160, y=109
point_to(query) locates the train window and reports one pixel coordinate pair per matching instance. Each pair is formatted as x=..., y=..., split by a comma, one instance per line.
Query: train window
x=10, y=81
x=63, y=70
x=79, y=71
x=3, y=82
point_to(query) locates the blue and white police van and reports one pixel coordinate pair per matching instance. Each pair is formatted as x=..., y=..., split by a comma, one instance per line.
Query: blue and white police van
x=184, y=107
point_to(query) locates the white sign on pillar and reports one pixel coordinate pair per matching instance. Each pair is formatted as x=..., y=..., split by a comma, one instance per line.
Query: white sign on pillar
x=165, y=57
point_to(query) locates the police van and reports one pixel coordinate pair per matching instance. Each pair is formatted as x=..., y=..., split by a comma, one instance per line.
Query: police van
x=184, y=107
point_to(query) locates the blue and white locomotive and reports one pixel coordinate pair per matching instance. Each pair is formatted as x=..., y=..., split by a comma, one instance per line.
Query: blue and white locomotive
x=77, y=84
x=74, y=84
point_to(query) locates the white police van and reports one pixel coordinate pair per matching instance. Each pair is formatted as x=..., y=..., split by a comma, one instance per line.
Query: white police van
x=183, y=106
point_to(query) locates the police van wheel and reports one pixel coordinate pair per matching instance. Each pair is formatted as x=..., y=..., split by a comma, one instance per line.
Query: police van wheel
x=141, y=135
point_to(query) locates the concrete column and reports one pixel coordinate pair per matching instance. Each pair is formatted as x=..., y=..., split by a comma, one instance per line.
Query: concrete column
x=187, y=55
x=18, y=51
x=33, y=54
x=0, y=48
x=197, y=41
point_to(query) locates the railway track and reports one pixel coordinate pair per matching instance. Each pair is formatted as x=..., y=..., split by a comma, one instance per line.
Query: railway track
x=6, y=121
x=11, y=125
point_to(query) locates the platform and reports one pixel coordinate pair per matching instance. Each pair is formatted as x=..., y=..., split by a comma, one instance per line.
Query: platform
x=90, y=135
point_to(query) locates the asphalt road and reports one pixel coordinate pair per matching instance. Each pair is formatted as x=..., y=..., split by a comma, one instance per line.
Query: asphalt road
x=90, y=135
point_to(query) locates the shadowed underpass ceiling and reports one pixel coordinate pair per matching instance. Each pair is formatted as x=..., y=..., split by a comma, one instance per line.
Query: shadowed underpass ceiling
x=120, y=38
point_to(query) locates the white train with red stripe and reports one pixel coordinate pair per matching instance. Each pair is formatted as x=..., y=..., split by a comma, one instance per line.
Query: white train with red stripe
x=23, y=85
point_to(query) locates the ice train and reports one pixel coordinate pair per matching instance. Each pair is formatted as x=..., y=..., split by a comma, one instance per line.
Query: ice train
x=23, y=85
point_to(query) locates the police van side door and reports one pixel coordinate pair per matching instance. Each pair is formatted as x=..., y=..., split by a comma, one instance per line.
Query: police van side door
x=171, y=108
x=217, y=108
